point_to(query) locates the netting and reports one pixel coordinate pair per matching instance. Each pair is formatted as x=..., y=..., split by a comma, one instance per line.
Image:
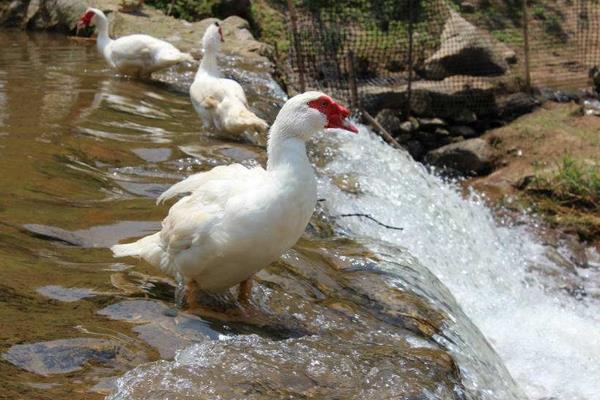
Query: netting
x=439, y=56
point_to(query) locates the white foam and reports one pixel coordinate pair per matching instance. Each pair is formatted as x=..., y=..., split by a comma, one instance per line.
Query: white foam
x=549, y=341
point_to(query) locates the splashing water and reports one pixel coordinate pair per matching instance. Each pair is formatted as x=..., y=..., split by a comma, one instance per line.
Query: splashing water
x=549, y=341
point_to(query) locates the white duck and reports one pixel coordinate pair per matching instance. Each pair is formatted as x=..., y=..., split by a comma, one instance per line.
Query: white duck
x=136, y=55
x=220, y=102
x=236, y=221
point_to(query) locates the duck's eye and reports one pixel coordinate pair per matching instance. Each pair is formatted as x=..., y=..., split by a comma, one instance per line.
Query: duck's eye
x=324, y=104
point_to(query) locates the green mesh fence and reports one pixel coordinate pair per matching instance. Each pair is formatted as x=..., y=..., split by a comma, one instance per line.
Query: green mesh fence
x=419, y=55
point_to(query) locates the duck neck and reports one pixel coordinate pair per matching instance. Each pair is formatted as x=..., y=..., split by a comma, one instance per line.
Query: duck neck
x=102, y=28
x=288, y=154
x=209, y=62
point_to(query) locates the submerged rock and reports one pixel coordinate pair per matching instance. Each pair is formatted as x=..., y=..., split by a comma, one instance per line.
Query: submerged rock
x=68, y=355
x=358, y=326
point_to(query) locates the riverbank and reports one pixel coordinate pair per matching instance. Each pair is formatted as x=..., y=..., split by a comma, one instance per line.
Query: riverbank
x=548, y=162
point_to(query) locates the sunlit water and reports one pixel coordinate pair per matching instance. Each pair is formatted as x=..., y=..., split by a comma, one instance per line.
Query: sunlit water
x=549, y=341
x=83, y=155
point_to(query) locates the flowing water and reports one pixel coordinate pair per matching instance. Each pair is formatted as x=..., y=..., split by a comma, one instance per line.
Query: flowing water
x=377, y=314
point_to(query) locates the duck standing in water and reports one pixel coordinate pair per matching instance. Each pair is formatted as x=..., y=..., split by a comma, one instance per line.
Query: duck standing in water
x=134, y=55
x=220, y=102
x=235, y=220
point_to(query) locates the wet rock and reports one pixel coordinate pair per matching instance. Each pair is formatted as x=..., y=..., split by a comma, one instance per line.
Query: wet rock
x=462, y=130
x=65, y=294
x=364, y=338
x=389, y=120
x=159, y=326
x=308, y=368
x=68, y=355
x=465, y=50
x=473, y=156
x=53, y=234
x=96, y=236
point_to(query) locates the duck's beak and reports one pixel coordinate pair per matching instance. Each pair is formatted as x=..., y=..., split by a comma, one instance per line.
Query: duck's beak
x=338, y=118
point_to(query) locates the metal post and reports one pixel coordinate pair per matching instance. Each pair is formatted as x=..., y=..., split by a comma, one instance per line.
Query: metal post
x=410, y=57
x=352, y=76
x=299, y=58
x=526, y=47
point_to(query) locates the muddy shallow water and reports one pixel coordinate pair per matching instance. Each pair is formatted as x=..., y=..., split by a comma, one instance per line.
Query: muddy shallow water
x=84, y=153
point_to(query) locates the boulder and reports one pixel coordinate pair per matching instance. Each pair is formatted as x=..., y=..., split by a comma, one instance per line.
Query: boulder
x=470, y=157
x=466, y=50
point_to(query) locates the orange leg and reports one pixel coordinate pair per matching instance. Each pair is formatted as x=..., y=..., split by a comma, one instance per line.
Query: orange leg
x=245, y=291
x=191, y=291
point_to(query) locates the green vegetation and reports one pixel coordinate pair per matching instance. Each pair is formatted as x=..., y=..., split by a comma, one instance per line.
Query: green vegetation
x=569, y=197
x=573, y=185
x=190, y=10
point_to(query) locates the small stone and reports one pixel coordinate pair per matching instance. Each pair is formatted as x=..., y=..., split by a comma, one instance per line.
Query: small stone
x=442, y=132
x=465, y=116
x=414, y=122
x=406, y=127
x=431, y=123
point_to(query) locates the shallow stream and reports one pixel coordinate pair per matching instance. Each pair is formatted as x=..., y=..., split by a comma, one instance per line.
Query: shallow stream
x=453, y=306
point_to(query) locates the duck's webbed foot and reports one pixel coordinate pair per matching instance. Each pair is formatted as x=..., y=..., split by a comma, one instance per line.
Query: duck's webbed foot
x=245, y=291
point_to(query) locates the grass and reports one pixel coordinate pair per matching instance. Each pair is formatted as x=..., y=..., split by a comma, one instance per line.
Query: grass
x=569, y=197
x=572, y=185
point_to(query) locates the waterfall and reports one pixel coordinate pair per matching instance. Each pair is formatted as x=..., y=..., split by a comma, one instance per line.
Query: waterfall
x=548, y=340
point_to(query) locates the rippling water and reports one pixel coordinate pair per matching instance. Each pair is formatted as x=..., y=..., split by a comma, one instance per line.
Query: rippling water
x=548, y=339
x=83, y=155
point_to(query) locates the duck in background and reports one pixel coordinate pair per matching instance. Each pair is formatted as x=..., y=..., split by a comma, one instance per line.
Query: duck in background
x=134, y=55
x=220, y=102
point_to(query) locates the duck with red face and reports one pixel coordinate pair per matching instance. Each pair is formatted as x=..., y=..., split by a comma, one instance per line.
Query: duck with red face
x=236, y=220
x=134, y=55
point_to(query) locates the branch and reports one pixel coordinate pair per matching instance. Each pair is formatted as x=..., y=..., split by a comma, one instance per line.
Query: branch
x=368, y=217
